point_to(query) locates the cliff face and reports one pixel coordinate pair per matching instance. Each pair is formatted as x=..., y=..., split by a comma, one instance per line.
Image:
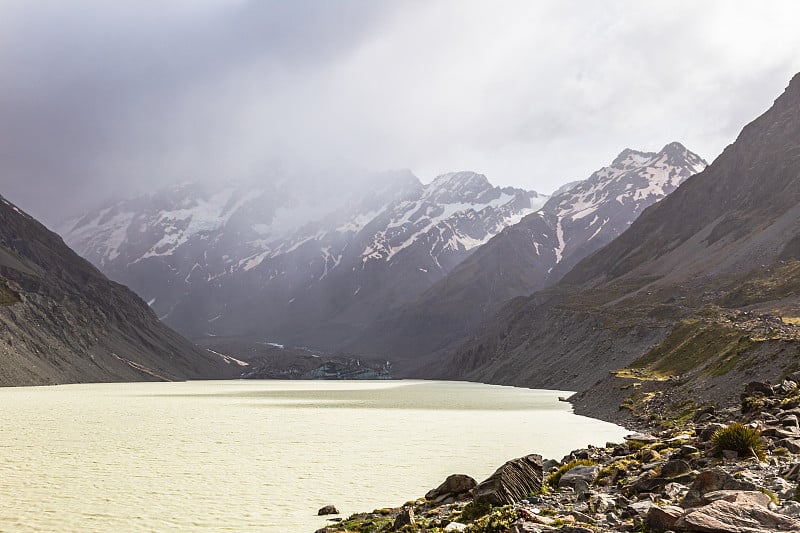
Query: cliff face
x=61, y=321
x=724, y=243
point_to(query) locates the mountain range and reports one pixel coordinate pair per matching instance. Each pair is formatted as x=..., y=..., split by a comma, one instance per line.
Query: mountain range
x=534, y=253
x=279, y=266
x=266, y=265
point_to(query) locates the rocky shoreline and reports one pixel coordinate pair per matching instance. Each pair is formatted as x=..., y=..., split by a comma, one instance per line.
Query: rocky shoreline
x=731, y=470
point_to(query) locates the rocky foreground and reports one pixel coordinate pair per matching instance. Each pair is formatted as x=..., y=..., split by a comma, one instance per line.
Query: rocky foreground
x=723, y=471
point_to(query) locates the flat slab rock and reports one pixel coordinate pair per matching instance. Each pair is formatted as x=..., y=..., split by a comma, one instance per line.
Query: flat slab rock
x=512, y=482
x=712, y=480
x=726, y=517
x=587, y=474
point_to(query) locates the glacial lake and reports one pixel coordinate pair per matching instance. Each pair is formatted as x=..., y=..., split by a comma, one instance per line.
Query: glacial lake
x=259, y=455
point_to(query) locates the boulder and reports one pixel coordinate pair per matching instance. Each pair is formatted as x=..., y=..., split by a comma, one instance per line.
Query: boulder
x=726, y=517
x=586, y=474
x=645, y=438
x=648, y=483
x=782, y=432
x=455, y=526
x=687, y=451
x=788, y=385
x=705, y=411
x=784, y=489
x=793, y=445
x=454, y=484
x=673, y=490
x=512, y=482
x=641, y=508
x=730, y=455
x=675, y=468
x=792, y=472
x=648, y=455
x=752, y=497
x=790, y=508
x=405, y=518
x=710, y=481
x=789, y=421
x=660, y=519
x=758, y=387
x=328, y=509
x=602, y=503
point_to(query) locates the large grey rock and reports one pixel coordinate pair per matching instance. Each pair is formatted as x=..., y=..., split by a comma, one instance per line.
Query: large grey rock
x=752, y=497
x=585, y=474
x=405, y=518
x=454, y=484
x=712, y=480
x=793, y=445
x=726, y=517
x=512, y=482
x=792, y=472
x=758, y=387
x=641, y=508
x=790, y=508
x=642, y=437
x=660, y=519
x=328, y=509
x=674, y=468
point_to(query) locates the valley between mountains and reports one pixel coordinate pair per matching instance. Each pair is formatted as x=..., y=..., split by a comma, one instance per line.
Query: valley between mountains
x=656, y=281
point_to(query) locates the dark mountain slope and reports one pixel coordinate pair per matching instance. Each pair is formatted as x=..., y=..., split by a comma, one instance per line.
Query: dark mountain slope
x=61, y=321
x=722, y=247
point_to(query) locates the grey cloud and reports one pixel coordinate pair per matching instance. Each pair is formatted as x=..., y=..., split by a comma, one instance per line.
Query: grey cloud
x=101, y=99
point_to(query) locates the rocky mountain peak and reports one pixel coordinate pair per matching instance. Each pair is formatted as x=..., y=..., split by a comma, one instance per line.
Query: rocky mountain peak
x=632, y=177
x=674, y=148
x=457, y=187
x=629, y=157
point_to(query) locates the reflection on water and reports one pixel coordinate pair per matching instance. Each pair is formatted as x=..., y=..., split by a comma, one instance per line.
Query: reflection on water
x=258, y=455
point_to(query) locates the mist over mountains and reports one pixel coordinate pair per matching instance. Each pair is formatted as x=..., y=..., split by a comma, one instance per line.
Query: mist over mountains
x=294, y=266
x=392, y=271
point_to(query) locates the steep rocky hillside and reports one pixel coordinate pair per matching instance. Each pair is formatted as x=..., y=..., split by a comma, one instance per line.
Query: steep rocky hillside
x=62, y=321
x=534, y=253
x=669, y=295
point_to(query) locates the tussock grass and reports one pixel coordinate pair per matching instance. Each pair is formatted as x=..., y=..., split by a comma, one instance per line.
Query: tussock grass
x=742, y=439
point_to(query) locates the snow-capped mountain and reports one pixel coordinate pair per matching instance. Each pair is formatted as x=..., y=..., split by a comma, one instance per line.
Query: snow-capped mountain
x=295, y=266
x=595, y=211
x=536, y=252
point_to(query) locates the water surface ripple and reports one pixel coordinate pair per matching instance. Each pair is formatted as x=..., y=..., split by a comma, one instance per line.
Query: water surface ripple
x=258, y=455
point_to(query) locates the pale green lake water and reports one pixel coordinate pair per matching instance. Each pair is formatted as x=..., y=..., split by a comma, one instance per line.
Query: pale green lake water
x=258, y=455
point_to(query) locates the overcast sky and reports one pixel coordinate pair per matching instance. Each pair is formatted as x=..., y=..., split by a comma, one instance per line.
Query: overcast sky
x=101, y=99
